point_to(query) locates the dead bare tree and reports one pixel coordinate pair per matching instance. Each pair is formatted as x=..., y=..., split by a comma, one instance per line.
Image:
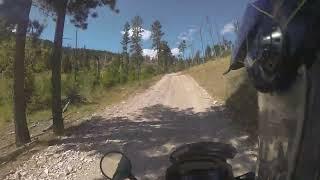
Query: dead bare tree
x=236, y=25
x=210, y=32
x=191, y=46
x=216, y=29
x=201, y=39
x=213, y=28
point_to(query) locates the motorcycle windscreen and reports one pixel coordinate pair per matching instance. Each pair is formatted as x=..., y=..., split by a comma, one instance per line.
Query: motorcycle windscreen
x=281, y=120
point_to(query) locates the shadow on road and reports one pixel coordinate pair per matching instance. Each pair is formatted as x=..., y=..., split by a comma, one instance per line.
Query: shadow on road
x=149, y=138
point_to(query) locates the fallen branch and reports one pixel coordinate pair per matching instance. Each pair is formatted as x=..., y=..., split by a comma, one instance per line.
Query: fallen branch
x=65, y=108
x=10, y=156
x=36, y=135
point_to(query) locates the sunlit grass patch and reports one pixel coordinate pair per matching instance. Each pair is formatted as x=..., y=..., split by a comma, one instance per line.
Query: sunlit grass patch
x=233, y=89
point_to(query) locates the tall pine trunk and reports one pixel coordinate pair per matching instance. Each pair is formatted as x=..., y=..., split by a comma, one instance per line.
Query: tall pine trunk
x=19, y=109
x=58, y=125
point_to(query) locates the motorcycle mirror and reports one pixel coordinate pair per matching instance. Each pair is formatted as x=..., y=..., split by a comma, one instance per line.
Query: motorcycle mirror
x=115, y=165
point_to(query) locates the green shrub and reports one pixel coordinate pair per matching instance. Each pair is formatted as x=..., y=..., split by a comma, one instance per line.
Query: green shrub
x=70, y=87
x=131, y=75
x=6, y=107
x=107, y=79
x=6, y=113
x=123, y=77
x=40, y=89
x=29, y=84
x=86, y=83
x=148, y=71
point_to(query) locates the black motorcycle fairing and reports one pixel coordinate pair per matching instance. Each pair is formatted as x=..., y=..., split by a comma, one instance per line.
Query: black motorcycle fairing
x=202, y=160
x=200, y=169
x=203, y=150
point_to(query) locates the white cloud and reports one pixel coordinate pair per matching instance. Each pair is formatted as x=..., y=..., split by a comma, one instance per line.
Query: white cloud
x=146, y=34
x=150, y=52
x=175, y=52
x=228, y=28
x=14, y=29
x=153, y=53
x=188, y=36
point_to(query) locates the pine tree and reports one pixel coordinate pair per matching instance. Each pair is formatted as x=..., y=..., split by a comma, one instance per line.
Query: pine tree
x=135, y=48
x=156, y=36
x=165, y=56
x=125, y=55
x=197, y=58
x=182, y=47
x=208, y=53
x=125, y=38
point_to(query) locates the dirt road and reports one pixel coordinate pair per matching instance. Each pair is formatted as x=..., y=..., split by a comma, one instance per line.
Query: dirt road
x=146, y=127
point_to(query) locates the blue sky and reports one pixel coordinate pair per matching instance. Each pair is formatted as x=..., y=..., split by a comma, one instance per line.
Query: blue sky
x=180, y=19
